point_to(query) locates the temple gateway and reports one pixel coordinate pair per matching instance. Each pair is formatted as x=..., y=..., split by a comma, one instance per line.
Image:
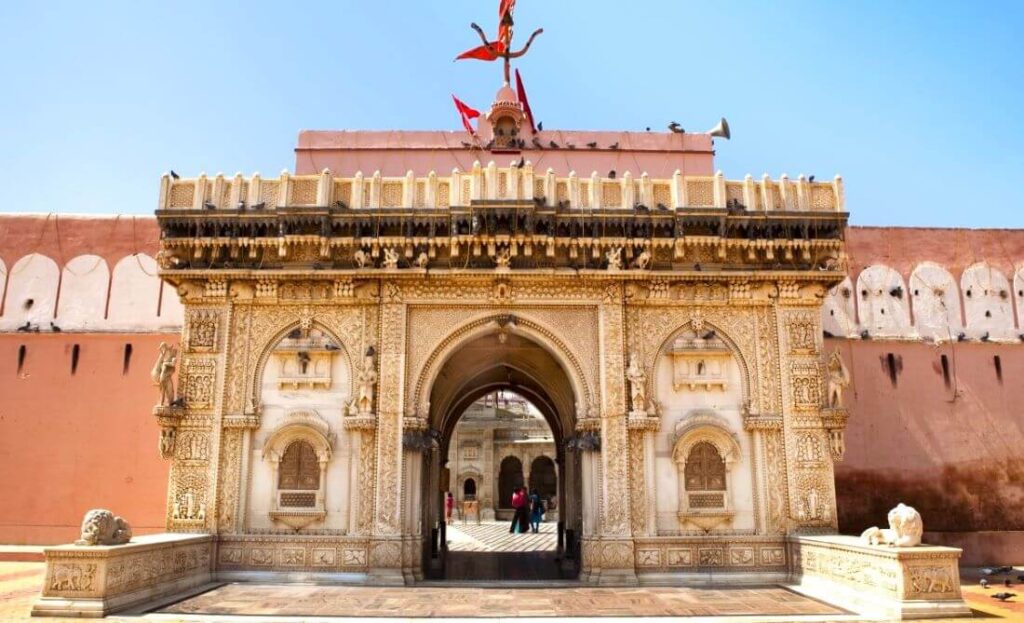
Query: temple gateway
x=664, y=321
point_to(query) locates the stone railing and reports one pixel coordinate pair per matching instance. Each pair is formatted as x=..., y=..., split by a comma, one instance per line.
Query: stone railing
x=879, y=581
x=93, y=581
x=492, y=183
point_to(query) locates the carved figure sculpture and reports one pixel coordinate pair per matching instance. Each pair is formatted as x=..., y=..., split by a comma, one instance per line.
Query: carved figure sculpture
x=361, y=258
x=422, y=260
x=614, y=257
x=838, y=380
x=503, y=259
x=102, y=527
x=167, y=436
x=367, y=379
x=643, y=260
x=637, y=383
x=163, y=373
x=905, y=529
x=390, y=258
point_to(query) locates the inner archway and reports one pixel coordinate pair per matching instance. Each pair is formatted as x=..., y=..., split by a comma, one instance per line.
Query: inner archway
x=532, y=401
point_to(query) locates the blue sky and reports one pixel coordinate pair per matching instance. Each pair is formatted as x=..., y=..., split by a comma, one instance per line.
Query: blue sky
x=917, y=104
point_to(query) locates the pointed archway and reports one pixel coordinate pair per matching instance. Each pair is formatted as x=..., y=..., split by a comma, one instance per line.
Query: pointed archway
x=503, y=358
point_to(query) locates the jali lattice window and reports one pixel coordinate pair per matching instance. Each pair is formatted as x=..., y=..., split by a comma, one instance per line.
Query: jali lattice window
x=300, y=468
x=705, y=469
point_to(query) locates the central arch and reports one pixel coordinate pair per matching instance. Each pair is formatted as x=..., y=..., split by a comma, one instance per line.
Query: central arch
x=493, y=356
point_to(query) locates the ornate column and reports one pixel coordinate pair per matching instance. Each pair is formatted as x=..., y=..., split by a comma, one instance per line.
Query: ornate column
x=385, y=558
x=616, y=562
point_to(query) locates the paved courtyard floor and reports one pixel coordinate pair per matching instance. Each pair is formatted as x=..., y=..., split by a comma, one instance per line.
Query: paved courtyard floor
x=20, y=583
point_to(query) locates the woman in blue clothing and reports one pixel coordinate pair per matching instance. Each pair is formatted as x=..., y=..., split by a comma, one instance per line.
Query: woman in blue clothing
x=536, y=510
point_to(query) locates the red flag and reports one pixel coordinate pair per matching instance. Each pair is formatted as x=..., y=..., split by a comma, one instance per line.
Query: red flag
x=490, y=52
x=521, y=93
x=466, y=113
x=505, y=8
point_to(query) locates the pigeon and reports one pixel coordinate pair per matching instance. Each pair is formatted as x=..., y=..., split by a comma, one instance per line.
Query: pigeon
x=592, y=145
x=331, y=346
x=611, y=174
x=341, y=204
x=1020, y=578
x=985, y=338
x=467, y=145
x=175, y=175
x=984, y=583
x=960, y=337
x=1004, y=570
x=570, y=146
x=521, y=163
x=648, y=128
x=25, y=327
x=662, y=207
x=1003, y=596
x=697, y=267
x=828, y=334
x=710, y=335
x=54, y=327
x=537, y=143
x=675, y=127
x=295, y=334
x=614, y=145
x=552, y=145
x=540, y=126
x=864, y=335
x=241, y=205
x=489, y=144
x=811, y=179
x=178, y=402
x=209, y=205
x=1007, y=583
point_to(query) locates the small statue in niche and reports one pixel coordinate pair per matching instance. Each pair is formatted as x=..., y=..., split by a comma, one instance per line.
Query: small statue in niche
x=838, y=380
x=503, y=259
x=303, y=361
x=812, y=504
x=163, y=373
x=643, y=260
x=905, y=529
x=614, y=257
x=637, y=383
x=390, y=258
x=422, y=260
x=361, y=258
x=367, y=379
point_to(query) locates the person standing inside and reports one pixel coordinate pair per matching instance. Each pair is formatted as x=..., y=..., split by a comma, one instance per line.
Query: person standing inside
x=449, y=506
x=518, y=511
x=536, y=510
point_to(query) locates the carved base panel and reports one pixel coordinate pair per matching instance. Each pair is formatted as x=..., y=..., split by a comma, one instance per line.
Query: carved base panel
x=704, y=556
x=886, y=582
x=84, y=581
x=292, y=553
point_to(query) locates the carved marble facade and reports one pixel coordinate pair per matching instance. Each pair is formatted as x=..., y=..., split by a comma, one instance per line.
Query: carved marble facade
x=323, y=380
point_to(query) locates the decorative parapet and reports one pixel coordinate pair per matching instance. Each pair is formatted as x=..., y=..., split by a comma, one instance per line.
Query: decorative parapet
x=887, y=582
x=96, y=581
x=493, y=183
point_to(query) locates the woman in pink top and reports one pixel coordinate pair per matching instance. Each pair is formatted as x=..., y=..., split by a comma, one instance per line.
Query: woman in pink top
x=449, y=506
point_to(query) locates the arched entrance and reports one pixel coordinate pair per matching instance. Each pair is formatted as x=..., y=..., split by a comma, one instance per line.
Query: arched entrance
x=502, y=359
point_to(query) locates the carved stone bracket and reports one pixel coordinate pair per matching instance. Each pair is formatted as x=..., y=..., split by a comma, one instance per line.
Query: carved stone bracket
x=359, y=422
x=169, y=417
x=762, y=421
x=640, y=420
x=834, y=420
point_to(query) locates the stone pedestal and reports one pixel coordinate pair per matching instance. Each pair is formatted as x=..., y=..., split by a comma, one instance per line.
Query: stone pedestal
x=94, y=581
x=878, y=581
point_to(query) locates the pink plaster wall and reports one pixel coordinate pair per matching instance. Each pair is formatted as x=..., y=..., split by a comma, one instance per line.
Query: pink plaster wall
x=394, y=153
x=72, y=442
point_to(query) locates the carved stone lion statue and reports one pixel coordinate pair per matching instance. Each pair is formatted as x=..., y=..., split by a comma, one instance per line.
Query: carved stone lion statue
x=905, y=529
x=102, y=527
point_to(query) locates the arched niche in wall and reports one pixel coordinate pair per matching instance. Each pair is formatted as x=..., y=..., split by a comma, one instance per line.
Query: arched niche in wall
x=838, y=313
x=706, y=454
x=1018, y=291
x=936, y=300
x=510, y=476
x=987, y=302
x=882, y=302
x=699, y=376
x=31, y=295
x=304, y=380
x=134, y=294
x=83, y=293
x=298, y=452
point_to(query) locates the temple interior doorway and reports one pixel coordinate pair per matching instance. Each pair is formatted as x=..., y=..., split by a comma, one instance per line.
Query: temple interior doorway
x=504, y=409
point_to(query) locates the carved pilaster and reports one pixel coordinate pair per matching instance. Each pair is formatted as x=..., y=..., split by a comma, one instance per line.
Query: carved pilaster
x=617, y=564
x=385, y=550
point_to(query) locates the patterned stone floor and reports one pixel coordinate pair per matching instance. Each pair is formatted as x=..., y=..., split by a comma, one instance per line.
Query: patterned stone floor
x=21, y=582
x=310, y=601
x=493, y=536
